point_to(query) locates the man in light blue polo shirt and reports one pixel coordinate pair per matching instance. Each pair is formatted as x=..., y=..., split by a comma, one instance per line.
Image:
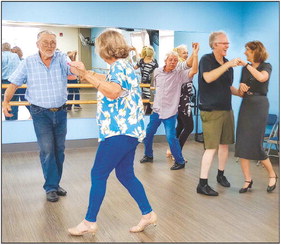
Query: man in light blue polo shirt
x=45, y=74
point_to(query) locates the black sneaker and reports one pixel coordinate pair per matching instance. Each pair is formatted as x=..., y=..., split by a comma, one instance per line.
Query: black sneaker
x=223, y=181
x=177, y=166
x=146, y=159
x=206, y=190
x=52, y=196
x=61, y=192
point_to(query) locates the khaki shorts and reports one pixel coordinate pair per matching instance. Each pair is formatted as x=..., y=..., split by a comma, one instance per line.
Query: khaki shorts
x=218, y=128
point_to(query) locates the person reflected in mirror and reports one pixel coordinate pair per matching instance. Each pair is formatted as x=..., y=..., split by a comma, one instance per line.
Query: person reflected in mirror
x=73, y=93
x=147, y=64
x=185, y=116
x=168, y=81
x=253, y=114
x=10, y=62
x=215, y=87
x=45, y=74
x=20, y=91
x=120, y=118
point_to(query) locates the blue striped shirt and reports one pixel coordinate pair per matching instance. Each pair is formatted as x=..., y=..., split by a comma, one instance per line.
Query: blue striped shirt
x=46, y=86
x=10, y=62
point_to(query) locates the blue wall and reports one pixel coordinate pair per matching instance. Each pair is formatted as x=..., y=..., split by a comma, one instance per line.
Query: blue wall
x=243, y=21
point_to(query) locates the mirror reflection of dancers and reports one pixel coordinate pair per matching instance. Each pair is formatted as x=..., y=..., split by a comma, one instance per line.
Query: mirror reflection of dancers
x=73, y=93
x=147, y=65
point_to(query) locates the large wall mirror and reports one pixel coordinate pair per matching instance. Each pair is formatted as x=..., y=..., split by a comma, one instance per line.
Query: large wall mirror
x=81, y=38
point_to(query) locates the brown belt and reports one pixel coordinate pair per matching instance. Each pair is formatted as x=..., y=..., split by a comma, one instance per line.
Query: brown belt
x=53, y=109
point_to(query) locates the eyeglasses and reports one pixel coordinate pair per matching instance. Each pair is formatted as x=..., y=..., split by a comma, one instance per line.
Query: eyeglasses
x=47, y=44
x=223, y=43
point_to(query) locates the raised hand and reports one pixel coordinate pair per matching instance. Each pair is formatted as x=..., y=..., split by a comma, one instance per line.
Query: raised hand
x=195, y=47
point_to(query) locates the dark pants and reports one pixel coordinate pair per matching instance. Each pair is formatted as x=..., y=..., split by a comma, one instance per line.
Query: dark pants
x=184, y=128
x=73, y=93
x=121, y=158
x=50, y=129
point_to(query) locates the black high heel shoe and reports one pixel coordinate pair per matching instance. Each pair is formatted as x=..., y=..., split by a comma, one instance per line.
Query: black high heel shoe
x=271, y=188
x=243, y=190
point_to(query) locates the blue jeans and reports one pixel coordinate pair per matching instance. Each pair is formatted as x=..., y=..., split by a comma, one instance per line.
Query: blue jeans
x=50, y=129
x=117, y=152
x=170, y=129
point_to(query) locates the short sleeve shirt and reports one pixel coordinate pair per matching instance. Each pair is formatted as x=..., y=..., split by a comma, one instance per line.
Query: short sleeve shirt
x=124, y=115
x=46, y=86
x=217, y=94
x=10, y=62
x=254, y=84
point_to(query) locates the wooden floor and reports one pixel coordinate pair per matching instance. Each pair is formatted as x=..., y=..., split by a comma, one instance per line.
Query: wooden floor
x=184, y=215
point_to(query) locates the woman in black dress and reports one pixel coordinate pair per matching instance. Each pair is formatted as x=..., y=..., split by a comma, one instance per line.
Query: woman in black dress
x=253, y=114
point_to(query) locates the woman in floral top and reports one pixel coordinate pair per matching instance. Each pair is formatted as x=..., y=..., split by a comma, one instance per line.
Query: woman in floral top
x=121, y=127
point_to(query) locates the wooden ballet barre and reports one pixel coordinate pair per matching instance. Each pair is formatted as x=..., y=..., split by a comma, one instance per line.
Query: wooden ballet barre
x=69, y=102
x=81, y=85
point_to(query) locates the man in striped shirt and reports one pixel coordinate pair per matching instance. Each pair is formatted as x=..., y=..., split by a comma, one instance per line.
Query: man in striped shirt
x=45, y=74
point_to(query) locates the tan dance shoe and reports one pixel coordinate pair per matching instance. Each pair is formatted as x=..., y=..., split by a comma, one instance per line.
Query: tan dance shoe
x=169, y=153
x=144, y=223
x=83, y=228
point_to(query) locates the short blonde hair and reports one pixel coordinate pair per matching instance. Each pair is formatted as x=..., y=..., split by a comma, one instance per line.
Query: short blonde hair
x=147, y=51
x=260, y=53
x=182, y=46
x=111, y=44
x=213, y=37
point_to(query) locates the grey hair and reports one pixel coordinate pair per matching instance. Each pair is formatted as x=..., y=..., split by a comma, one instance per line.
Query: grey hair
x=213, y=37
x=45, y=32
x=6, y=47
x=171, y=53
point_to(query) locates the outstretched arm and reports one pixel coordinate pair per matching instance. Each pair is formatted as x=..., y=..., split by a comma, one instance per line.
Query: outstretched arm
x=111, y=90
x=213, y=75
x=261, y=76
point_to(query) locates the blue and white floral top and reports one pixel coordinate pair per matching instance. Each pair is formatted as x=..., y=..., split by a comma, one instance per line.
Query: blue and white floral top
x=124, y=115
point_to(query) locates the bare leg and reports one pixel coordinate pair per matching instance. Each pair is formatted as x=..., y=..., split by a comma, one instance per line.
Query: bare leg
x=222, y=156
x=206, y=162
x=245, y=166
x=271, y=173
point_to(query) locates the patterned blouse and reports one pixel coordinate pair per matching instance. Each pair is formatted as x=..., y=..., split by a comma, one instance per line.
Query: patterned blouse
x=124, y=115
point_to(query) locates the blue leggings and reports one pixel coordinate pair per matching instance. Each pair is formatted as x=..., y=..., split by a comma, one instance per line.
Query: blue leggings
x=117, y=152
